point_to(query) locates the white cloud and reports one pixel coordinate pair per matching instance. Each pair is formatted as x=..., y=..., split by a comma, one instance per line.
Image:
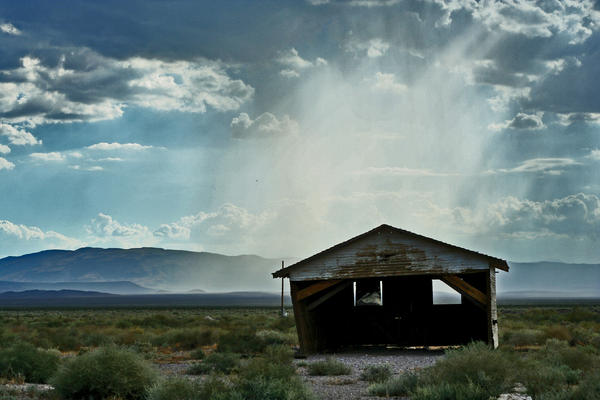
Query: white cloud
x=105, y=229
x=573, y=217
x=571, y=118
x=292, y=59
x=104, y=225
x=39, y=93
x=573, y=19
x=294, y=64
x=594, y=154
x=356, y=3
x=550, y=166
x=5, y=164
x=373, y=3
x=50, y=239
x=173, y=231
x=373, y=48
x=521, y=121
x=377, y=48
x=229, y=222
x=9, y=29
x=48, y=157
x=118, y=146
x=110, y=159
x=17, y=136
x=90, y=168
x=289, y=73
x=265, y=125
x=577, y=214
x=387, y=83
x=403, y=171
x=4, y=149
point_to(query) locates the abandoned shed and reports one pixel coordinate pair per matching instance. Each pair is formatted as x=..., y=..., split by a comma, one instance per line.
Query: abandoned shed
x=376, y=289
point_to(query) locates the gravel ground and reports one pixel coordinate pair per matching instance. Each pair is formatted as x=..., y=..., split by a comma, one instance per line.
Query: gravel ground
x=347, y=387
x=350, y=387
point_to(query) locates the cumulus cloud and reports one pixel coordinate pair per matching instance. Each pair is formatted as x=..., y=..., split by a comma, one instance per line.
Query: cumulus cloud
x=594, y=154
x=17, y=136
x=86, y=86
x=107, y=230
x=294, y=64
x=173, y=231
x=265, y=125
x=574, y=215
x=386, y=82
x=5, y=164
x=4, y=149
x=219, y=229
x=373, y=48
x=48, y=239
x=104, y=225
x=572, y=118
x=575, y=20
x=521, y=121
x=51, y=157
x=9, y=29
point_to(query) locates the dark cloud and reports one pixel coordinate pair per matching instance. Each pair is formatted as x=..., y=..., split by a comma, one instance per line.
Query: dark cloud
x=85, y=86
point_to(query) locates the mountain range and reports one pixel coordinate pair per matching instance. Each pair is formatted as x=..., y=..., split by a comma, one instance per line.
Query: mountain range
x=149, y=268
x=154, y=270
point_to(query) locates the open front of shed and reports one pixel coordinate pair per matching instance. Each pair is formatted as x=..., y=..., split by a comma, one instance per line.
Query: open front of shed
x=376, y=289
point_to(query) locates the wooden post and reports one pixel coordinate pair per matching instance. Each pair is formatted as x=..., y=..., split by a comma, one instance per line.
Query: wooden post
x=282, y=282
x=492, y=311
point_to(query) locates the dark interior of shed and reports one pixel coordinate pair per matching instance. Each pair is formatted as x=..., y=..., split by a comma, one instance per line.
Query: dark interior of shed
x=399, y=311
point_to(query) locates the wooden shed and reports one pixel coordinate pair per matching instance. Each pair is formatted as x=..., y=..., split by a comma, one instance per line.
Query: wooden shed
x=376, y=289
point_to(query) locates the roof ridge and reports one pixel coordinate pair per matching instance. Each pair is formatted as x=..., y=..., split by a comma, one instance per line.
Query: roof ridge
x=500, y=263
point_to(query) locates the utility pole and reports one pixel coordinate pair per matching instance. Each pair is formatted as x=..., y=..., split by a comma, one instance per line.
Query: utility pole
x=282, y=280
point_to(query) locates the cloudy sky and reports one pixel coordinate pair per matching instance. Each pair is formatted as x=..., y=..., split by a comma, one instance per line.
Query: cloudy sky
x=280, y=128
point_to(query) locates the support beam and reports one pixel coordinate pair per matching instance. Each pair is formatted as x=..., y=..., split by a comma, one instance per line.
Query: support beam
x=329, y=294
x=316, y=288
x=466, y=289
x=492, y=311
x=305, y=333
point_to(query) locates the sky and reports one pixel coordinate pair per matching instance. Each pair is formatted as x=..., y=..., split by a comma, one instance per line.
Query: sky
x=280, y=128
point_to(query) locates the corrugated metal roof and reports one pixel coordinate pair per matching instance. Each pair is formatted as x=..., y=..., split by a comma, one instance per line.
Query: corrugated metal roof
x=494, y=261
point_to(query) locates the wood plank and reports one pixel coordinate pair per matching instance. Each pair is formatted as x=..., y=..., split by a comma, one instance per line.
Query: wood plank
x=316, y=288
x=300, y=317
x=464, y=288
x=492, y=311
x=329, y=294
x=387, y=254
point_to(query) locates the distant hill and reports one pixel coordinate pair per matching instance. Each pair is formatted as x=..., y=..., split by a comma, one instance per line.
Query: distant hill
x=76, y=298
x=549, y=279
x=119, y=287
x=173, y=270
x=152, y=270
x=49, y=294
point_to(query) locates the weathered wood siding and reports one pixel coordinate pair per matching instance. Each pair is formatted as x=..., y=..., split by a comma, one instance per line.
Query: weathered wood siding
x=492, y=310
x=389, y=253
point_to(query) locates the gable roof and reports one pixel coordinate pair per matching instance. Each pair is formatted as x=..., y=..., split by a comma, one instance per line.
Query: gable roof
x=285, y=272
